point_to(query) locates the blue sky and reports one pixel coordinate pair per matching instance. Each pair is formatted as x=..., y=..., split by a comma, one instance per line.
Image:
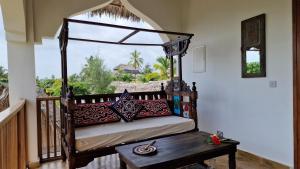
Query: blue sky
x=47, y=55
x=3, y=51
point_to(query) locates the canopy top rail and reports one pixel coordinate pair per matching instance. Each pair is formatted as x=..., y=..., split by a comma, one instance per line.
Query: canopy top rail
x=171, y=48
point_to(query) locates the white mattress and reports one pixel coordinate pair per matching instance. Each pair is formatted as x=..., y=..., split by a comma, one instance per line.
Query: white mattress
x=104, y=135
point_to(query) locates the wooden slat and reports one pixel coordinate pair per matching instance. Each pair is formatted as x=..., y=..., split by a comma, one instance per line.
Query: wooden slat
x=39, y=128
x=150, y=97
x=47, y=128
x=22, y=141
x=54, y=128
x=1, y=149
x=12, y=143
x=78, y=101
x=88, y=100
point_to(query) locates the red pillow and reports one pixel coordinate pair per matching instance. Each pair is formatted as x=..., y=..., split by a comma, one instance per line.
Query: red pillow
x=94, y=113
x=154, y=108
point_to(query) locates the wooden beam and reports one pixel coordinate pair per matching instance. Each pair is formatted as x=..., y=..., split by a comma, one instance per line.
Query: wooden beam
x=128, y=36
x=129, y=28
x=296, y=82
x=115, y=43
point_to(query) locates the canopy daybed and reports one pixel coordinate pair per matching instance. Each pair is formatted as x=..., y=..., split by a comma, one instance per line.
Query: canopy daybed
x=82, y=144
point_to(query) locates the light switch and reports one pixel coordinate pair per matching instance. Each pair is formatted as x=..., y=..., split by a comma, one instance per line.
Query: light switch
x=273, y=84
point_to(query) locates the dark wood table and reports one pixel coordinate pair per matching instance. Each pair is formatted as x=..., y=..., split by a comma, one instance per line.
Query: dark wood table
x=177, y=151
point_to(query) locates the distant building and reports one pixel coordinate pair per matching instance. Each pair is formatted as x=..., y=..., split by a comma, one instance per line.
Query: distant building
x=127, y=68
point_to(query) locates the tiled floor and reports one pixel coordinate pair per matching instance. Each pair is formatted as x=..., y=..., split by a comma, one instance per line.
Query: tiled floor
x=112, y=162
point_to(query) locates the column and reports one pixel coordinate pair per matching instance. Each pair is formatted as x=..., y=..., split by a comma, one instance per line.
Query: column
x=22, y=85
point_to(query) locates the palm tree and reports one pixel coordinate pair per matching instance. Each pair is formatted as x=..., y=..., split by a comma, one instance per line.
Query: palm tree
x=135, y=60
x=163, y=65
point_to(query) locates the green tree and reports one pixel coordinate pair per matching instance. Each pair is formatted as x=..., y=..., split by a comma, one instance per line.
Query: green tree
x=97, y=76
x=54, y=89
x=253, y=68
x=52, y=86
x=163, y=65
x=136, y=60
x=3, y=76
x=147, y=69
x=45, y=83
x=80, y=87
x=120, y=75
x=154, y=76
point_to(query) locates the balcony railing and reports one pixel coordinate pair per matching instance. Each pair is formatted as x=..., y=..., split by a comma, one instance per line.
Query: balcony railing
x=49, y=131
x=13, y=145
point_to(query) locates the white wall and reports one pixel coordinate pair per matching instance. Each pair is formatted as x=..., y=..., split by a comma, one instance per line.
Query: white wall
x=21, y=79
x=165, y=14
x=247, y=110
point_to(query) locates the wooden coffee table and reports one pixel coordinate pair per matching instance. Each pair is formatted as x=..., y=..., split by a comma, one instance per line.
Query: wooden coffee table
x=177, y=151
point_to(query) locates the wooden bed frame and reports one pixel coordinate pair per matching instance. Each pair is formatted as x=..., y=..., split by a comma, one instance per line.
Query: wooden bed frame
x=175, y=87
x=81, y=159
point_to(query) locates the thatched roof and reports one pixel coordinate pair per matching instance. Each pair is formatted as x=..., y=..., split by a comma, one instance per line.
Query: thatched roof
x=116, y=9
x=127, y=69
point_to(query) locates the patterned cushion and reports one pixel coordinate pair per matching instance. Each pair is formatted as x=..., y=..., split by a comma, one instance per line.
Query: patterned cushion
x=94, y=113
x=154, y=108
x=126, y=107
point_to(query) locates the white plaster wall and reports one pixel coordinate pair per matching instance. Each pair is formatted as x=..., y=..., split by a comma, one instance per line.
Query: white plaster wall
x=247, y=110
x=13, y=13
x=166, y=13
x=21, y=77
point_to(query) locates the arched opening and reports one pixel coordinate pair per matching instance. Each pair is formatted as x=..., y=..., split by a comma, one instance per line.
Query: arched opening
x=134, y=68
x=3, y=67
x=129, y=67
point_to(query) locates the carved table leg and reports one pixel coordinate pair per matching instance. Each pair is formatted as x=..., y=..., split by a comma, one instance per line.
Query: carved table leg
x=232, y=162
x=63, y=154
x=71, y=162
x=123, y=165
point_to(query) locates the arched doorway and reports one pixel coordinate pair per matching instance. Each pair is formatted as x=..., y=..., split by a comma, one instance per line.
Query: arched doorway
x=87, y=52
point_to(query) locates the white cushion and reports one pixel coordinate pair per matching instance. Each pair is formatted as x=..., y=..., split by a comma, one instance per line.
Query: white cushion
x=104, y=135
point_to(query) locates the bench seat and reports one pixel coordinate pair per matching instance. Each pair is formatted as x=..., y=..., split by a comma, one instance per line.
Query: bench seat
x=105, y=135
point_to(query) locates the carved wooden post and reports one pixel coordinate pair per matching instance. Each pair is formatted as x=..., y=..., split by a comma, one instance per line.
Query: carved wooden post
x=63, y=41
x=194, y=104
x=71, y=127
x=70, y=94
x=162, y=88
x=171, y=68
